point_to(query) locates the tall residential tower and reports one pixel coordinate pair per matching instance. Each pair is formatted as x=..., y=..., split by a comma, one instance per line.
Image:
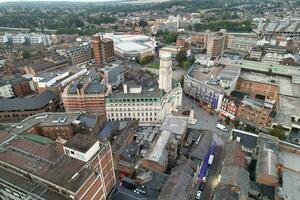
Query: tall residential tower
x=103, y=49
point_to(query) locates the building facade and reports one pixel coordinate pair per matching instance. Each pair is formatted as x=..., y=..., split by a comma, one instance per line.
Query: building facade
x=83, y=170
x=228, y=108
x=103, y=49
x=15, y=109
x=216, y=44
x=86, y=94
x=79, y=55
x=147, y=107
x=241, y=43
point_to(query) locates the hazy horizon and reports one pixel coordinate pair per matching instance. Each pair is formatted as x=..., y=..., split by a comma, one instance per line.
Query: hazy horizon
x=4, y=1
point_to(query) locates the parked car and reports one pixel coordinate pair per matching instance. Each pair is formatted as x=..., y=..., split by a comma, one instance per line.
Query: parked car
x=221, y=127
x=202, y=186
x=199, y=194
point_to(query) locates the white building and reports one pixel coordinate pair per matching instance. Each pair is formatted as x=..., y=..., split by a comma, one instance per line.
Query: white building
x=39, y=39
x=6, y=90
x=4, y=39
x=33, y=39
x=132, y=46
x=48, y=79
x=19, y=39
x=149, y=107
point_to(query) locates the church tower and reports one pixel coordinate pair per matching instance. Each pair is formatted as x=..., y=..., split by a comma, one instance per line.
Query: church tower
x=165, y=72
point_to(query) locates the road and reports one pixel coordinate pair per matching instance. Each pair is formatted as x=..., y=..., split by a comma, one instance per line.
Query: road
x=208, y=121
x=214, y=172
x=205, y=119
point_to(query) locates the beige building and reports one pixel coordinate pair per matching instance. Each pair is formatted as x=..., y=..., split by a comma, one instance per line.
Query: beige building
x=216, y=44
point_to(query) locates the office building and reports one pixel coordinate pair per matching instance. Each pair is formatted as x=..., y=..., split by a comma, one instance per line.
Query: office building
x=82, y=168
x=113, y=74
x=86, y=94
x=241, y=42
x=208, y=85
x=146, y=105
x=79, y=55
x=58, y=125
x=103, y=49
x=216, y=43
x=258, y=108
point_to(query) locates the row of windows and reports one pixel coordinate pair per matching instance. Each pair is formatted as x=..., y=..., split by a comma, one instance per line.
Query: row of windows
x=133, y=100
x=139, y=119
x=131, y=114
x=128, y=109
x=134, y=104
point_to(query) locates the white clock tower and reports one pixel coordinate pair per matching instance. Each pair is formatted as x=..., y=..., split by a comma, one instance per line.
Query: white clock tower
x=165, y=71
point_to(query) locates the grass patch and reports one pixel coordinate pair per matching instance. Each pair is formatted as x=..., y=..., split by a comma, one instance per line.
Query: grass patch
x=154, y=66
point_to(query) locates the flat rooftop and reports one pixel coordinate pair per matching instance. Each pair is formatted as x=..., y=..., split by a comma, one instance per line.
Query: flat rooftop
x=285, y=84
x=174, y=124
x=213, y=76
x=288, y=106
x=264, y=67
x=45, y=119
x=81, y=142
x=47, y=76
x=131, y=47
x=45, y=161
x=28, y=185
x=145, y=93
x=125, y=37
x=290, y=185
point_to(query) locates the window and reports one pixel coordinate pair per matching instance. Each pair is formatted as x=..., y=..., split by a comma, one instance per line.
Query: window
x=72, y=152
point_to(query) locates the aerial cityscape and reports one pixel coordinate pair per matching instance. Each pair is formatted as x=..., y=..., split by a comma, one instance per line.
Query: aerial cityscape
x=150, y=100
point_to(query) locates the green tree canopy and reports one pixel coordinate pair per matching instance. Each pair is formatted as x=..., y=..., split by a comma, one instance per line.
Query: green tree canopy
x=278, y=132
x=181, y=56
x=25, y=54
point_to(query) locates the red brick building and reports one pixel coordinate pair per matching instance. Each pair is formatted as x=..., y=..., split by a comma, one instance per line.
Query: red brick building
x=15, y=109
x=82, y=171
x=103, y=49
x=228, y=108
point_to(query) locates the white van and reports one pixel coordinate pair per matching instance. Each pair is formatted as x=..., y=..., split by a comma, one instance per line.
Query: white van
x=221, y=127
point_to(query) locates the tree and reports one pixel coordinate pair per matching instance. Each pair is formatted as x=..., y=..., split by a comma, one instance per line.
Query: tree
x=185, y=64
x=192, y=60
x=25, y=54
x=236, y=122
x=227, y=120
x=142, y=23
x=146, y=59
x=181, y=56
x=278, y=132
x=181, y=80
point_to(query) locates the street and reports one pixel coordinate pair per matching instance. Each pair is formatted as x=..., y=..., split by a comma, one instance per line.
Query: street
x=208, y=121
x=205, y=120
x=214, y=172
